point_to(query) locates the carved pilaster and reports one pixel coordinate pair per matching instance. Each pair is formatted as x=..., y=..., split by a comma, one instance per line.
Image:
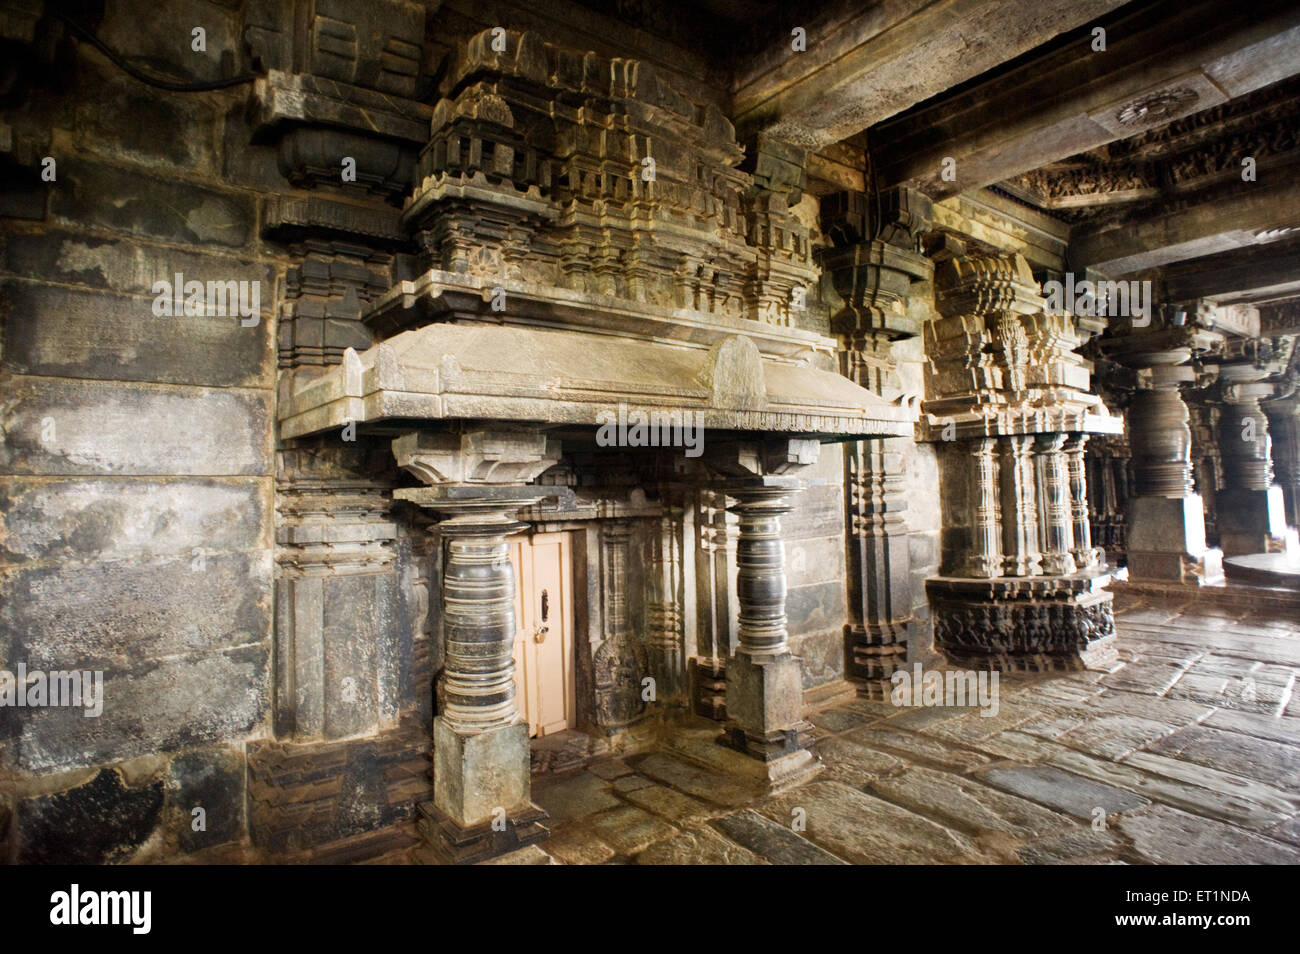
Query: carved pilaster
x=1022, y=555
x=1076, y=467
x=984, y=558
x=1055, y=508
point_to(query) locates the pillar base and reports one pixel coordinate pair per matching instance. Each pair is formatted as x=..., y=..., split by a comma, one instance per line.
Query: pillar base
x=1033, y=624
x=481, y=803
x=765, y=706
x=1251, y=521
x=456, y=844
x=1166, y=541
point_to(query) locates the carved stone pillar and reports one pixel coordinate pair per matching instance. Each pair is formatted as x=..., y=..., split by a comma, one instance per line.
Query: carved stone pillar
x=985, y=555
x=1054, y=505
x=1251, y=510
x=1284, y=429
x=764, y=678
x=764, y=685
x=867, y=279
x=481, y=795
x=664, y=606
x=1008, y=394
x=1166, y=521
x=1076, y=467
x=1021, y=553
x=618, y=663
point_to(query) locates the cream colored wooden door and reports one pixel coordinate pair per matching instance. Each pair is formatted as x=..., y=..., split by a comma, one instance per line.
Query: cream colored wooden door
x=544, y=631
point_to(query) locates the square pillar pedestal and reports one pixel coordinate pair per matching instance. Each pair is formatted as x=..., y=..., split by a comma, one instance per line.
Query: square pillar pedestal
x=1252, y=521
x=765, y=709
x=1166, y=541
x=481, y=804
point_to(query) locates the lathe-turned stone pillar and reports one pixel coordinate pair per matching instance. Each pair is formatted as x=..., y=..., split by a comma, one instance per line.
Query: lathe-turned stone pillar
x=481, y=795
x=1251, y=510
x=764, y=684
x=1284, y=432
x=764, y=681
x=1166, y=520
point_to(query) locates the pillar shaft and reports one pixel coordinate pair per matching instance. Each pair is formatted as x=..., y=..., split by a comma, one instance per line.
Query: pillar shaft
x=764, y=681
x=985, y=556
x=1019, y=508
x=760, y=572
x=1055, y=507
x=1076, y=466
x=478, y=612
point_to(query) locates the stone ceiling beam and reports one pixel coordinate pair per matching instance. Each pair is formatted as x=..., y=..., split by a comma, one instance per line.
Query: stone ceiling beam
x=1253, y=273
x=1225, y=222
x=1176, y=57
x=865, y=63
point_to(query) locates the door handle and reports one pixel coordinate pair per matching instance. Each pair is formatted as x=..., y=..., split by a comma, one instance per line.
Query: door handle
x=539, y=634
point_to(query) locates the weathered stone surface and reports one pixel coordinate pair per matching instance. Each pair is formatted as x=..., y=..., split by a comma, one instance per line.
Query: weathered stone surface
x=701, y=847
x=838, y=720
x=609, y=768
x=1076, y=846
x=1061, y=790
x=211, y=780
x=104, y=820
x=1272, y=762
x=156, y=706
x=677, y=808
x=710, y=786
x=1114, y=737
x=574, y=845
x=137, y=519
x=120, y=613
x=629, y=830
x=104, y=429
x=865, y=830
x=857, y=765
x=565, y=799
x=772, y=841
x=1276, y=728
x=965, y=804
x=147, y=206
x=918, y=747
x=75, y=333
x=1198, y=790
x=1168, y=836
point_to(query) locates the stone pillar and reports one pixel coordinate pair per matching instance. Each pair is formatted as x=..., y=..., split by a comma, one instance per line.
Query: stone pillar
x=1054, y=505
x=1166, y=520
x=985, y=555
x=1022, y=556
x=868, y=275
x=618, y=663
x=1080, y=517
x=1251, y=510
x=764, y=684
x=1284, y=430
x=481, y=760
x=664, y=606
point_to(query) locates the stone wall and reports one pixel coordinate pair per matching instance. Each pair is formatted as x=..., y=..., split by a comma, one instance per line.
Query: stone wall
x=136, y=464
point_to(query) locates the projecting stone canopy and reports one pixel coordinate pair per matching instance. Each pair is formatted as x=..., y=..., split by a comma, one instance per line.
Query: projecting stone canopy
x=731, y=374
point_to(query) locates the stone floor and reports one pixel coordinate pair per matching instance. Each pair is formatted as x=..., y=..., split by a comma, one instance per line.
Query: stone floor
x=1188, y=751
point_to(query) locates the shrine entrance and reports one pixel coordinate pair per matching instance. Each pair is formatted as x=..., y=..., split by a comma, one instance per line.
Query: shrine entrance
x=543, y=647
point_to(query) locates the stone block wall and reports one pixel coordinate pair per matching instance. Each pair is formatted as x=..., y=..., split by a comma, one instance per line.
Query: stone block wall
x=136, y=462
